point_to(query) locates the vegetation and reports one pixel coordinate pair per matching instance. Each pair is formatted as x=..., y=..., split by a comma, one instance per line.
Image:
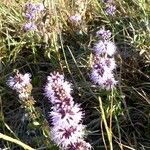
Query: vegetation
x=116, y=119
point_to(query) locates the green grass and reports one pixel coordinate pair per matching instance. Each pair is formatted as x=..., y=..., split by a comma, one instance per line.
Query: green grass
x=116, y=120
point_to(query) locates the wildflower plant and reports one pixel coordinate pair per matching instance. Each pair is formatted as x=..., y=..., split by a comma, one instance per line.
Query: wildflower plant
x=32, y=12
x=110, y=7
x=37, y=123
x=110, y=10
x=67, y=130
x=79, y=10
x=104, y=62
x=22, y=85
x=75, y=18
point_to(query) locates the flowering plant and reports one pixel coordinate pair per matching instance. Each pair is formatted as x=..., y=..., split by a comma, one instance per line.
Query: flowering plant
x=22, y=85
x=104, y=63
x=32, y=12
x=67, y=129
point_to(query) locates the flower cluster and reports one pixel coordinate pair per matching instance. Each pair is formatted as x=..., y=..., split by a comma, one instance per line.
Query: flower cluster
x=31, y=11
x=75, y=18
x=79, y=12
x=21, y=83
x=104, y=63
x=110, y=7
x=67, y=129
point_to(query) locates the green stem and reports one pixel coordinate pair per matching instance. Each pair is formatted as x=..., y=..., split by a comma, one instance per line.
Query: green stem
x=108, y=131
x=10, y=139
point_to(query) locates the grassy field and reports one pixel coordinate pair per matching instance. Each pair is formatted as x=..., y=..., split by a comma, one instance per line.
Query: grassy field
x=118, y=119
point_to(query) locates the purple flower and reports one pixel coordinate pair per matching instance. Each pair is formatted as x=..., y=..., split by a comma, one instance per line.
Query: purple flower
x=29, y=16
x=29, y=6
x=66, y=115
x=76, y=18
x=57, y=84
x=19, y=82
x=102, y=72
x=67, y=128
x=110, y=83
x=110, y=63
x=105, y=80
x=103, y=34
x=103, y=66
x=99, y=48
x=110, y=10
x=34, y=7
x=110, y=48
x=104, y=47
x=80, y=145
x=30, y=26
x=39, y=7
x=97, y=77
x=64, y=135
x=31, y=12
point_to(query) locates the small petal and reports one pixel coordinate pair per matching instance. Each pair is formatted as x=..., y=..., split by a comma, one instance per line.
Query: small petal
x=30, y=26
x=39, y=7
x=111, y=10
x=80, y=145
x=99, y=48
x=110, y=83
x=110, y=48
x=76, y=18
x=103, y=34
x=29, y=16
x=19, y=82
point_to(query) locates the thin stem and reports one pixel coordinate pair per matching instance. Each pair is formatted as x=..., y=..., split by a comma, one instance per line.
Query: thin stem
x=105, y=124
x=10, y=139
